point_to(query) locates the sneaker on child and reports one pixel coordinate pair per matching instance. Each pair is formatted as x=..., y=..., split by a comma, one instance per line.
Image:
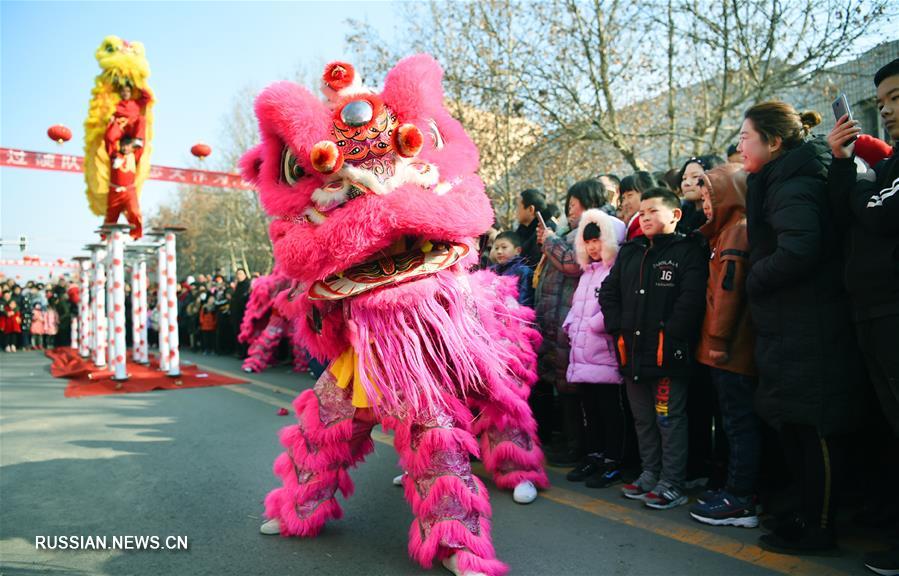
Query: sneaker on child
x=885, y=563
x=664, y=496
x=725, y=509
x=639, y=488
x=608, y=476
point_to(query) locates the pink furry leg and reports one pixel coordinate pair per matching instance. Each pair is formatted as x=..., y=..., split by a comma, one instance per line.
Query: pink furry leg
x=510, y=448
x=330, y=437
x=262, y=351
x=451, y=505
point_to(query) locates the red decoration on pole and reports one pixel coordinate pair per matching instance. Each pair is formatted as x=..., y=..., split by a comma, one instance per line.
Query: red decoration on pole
x=200, y=150
x=59, y=133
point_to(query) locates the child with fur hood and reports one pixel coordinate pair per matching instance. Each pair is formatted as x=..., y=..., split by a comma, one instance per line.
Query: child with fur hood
x=593, y=366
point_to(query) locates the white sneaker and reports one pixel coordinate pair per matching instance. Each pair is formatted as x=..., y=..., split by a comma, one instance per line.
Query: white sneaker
x=452, y=565
x=525, y=492
x=272, y=526
x=398, y=481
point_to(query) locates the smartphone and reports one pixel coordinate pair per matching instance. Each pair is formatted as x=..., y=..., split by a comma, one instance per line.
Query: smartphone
x=840, y=109
x=540, y=218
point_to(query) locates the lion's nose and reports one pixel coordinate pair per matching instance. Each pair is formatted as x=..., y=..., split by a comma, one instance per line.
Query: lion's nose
x=326, y=157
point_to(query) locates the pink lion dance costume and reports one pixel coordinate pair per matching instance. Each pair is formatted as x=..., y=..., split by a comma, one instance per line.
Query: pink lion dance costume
x=375, y=201
x=264, y=325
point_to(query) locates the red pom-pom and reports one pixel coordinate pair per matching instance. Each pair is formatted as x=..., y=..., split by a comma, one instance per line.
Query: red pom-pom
x=326, y=157
x=338, y=75
x=872, y=150
x=283, y=412
x=408, y=140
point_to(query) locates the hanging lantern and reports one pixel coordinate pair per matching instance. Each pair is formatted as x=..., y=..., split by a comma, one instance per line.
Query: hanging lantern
x=59, y=133
x=200, y=150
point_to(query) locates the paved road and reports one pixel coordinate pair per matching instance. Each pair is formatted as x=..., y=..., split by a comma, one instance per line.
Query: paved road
x=197, y=463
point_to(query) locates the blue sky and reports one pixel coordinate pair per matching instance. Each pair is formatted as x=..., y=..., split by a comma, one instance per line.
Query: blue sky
x=201, y=54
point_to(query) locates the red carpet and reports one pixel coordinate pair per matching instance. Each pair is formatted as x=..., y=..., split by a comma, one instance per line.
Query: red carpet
x=86, y=380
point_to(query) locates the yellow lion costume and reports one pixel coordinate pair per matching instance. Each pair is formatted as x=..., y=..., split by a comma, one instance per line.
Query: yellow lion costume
x=121, y=63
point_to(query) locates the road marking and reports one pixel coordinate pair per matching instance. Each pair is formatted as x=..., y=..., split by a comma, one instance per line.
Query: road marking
x=255, y=395
x=649, y=521
x=277, y=389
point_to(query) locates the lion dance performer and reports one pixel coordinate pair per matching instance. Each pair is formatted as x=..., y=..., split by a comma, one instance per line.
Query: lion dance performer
x=375, y=203
x=264, y=325
x=118, y=132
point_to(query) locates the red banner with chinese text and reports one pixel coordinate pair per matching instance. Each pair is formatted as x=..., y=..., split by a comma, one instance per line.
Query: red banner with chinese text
x=35, y=261
x=66, y=163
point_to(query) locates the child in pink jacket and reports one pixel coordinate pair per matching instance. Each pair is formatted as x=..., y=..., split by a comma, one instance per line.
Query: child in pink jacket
x=593, y=364
x=37, y=326
x=51, y=326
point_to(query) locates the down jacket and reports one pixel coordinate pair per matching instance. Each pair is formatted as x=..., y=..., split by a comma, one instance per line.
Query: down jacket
x=592, y=358
x=805, y=348
x=727, y=326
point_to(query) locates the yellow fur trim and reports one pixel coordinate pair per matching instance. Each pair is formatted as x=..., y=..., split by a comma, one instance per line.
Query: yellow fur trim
x=345, y=369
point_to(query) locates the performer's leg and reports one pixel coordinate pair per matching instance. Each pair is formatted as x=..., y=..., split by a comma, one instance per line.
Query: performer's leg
x=510, y=448
x=262, y=351
x=132, y=213
x=139, y=129
x=451, y=505
x=331, y=437
x=114, y=206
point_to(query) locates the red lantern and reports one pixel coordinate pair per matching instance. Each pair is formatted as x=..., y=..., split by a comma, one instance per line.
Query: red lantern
x=200, y=150
x=59, y=133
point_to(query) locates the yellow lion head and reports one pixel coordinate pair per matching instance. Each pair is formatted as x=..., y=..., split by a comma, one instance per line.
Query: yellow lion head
x=122, y=61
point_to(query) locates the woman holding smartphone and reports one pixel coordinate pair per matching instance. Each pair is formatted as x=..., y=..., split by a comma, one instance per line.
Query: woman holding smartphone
x=804, y=350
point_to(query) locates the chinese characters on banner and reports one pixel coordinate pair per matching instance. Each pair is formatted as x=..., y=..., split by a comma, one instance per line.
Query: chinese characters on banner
x=66, y=163
x=35, y=261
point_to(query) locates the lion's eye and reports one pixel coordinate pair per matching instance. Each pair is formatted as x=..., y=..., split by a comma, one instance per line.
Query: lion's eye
x=110, y=48
x=291, y=170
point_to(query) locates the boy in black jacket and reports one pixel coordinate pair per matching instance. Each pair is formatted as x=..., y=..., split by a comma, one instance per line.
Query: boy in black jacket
x=653, y=302
x=871, y=204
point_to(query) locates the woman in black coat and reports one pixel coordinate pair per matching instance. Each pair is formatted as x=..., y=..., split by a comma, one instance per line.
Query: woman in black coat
x=804, y=349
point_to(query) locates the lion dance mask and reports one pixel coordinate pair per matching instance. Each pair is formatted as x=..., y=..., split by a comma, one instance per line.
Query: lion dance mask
x=375, y=203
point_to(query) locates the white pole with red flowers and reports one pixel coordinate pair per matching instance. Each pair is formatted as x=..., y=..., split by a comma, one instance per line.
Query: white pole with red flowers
x=110, y=314
x=135, y=313
x=80, y=337
x=116, y=235
x=138, y=254
x=142, y=286
x=161, y=304
x=171, y=285
x=90, y=302
x=98, y=308
x=73, y=332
